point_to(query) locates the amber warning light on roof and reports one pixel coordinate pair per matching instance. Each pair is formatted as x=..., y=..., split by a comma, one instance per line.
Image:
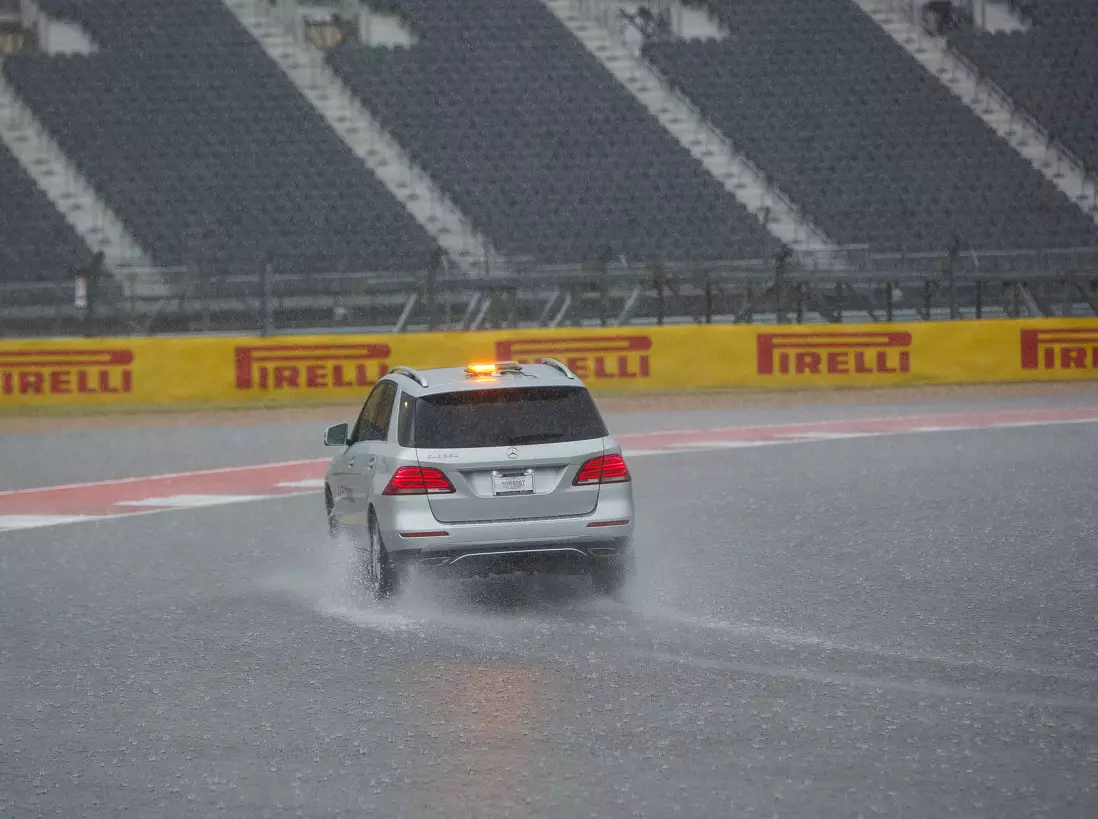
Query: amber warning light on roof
x=493, y=367
x=481, y=369
x=48, y=371
x=811, y=353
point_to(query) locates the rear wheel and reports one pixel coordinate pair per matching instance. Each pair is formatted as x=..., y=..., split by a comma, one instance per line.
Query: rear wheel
x=610, y=576
x=375, y=570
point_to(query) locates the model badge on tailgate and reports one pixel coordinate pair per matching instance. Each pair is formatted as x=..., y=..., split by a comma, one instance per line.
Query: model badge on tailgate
x=441, y=456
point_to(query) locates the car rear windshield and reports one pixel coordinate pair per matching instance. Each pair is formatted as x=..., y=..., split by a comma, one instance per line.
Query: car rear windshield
x=506, y=417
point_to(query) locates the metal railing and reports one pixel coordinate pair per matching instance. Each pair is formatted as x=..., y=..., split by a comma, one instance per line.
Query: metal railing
x=873, y=287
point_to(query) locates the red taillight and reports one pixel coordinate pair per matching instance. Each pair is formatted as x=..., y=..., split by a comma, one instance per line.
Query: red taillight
x=415, y=480
x=604, y=469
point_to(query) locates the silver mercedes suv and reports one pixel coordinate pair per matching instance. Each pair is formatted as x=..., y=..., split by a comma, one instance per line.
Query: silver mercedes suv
x=489, y=468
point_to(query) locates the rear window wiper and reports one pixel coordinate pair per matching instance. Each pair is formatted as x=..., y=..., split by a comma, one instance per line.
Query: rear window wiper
x=535, y=438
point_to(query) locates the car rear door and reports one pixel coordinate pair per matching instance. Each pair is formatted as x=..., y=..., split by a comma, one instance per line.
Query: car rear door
x=360, y=458
x=511, y=453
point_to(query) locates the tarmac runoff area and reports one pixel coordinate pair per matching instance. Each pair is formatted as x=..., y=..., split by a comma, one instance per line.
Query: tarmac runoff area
x=873, y=604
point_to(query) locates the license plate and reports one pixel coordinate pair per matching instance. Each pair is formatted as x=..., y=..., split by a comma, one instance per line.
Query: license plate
x=521, y=484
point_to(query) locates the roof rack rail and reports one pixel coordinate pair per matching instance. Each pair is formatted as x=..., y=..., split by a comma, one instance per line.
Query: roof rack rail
x=552, y=362
x=412, y=374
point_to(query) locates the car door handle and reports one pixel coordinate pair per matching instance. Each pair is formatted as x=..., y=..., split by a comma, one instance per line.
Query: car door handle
x=370, y=463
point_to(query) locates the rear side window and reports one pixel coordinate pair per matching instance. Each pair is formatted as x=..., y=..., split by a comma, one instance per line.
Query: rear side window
x=506, y=417
x=405, y=418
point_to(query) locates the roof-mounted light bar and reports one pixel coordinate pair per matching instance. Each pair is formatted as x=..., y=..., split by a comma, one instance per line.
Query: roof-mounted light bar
x=552, y=362
x=410, y=373
x=493, y=368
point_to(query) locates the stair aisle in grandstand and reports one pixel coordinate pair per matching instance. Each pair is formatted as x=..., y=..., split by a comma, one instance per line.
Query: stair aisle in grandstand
x=955, y=73
x=691, y=130
x=37, y=244
x=1050, y=71
x=859, y=134
x=206, y=150
x=308, y=70
x=539, y=145
x=68, y=198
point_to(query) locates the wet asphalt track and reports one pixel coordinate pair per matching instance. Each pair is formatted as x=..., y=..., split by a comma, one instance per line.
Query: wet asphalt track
x=903, y=626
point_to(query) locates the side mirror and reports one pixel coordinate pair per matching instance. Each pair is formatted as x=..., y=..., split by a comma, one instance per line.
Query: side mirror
x=336, y=435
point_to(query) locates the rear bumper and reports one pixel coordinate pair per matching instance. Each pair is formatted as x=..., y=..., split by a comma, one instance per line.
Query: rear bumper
x=483, y=561
x=408, y=526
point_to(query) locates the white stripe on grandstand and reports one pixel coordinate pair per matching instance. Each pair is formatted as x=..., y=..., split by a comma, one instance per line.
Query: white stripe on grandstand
x=42, y=157
x=691, y=130
x=363, y=133
x=988, y=102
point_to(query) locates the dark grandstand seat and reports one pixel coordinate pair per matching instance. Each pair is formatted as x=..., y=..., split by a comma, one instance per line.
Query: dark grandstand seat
x=873, y=147
x=1050, y=71
x=538, y=144
x=206, y=150
x=37, y=244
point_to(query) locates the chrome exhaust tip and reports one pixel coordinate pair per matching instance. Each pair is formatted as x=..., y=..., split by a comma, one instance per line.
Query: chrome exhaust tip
x=428, y=562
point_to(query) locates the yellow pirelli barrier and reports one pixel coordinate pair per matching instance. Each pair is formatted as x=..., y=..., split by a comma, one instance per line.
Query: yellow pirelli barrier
x=241, y=370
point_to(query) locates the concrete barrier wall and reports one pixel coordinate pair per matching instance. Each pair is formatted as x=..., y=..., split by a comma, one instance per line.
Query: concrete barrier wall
x=190, y=371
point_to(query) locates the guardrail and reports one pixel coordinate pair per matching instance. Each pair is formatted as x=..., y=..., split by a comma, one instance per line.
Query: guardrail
x=240, y=369
x=882, y=287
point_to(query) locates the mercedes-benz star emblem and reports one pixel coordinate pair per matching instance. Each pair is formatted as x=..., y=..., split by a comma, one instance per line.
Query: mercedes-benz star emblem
x=512, y=453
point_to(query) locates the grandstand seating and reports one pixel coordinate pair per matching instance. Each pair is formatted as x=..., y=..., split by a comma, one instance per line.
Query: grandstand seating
x=1050, y=71
x=38, y=244
x=538, y=144
x=214, y=160
x=206, y=151
x=861, y=136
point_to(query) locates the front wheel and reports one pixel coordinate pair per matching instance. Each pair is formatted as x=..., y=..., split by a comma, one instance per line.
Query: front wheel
x=375, y=570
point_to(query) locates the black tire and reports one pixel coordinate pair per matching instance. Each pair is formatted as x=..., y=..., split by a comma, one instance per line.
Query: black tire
x=375, y=571
x=335, y=531
x=611, y=576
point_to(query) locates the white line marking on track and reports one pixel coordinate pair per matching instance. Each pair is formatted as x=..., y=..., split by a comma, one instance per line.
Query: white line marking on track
x=191, y=501
x=309, y=483
x=824, y=436
x=18, y=520
x=727, y=444
x=64, y=520
x=36, y=521
x=194, y=472
x=891, y=419
x=861, y=681
x=1059, y=423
